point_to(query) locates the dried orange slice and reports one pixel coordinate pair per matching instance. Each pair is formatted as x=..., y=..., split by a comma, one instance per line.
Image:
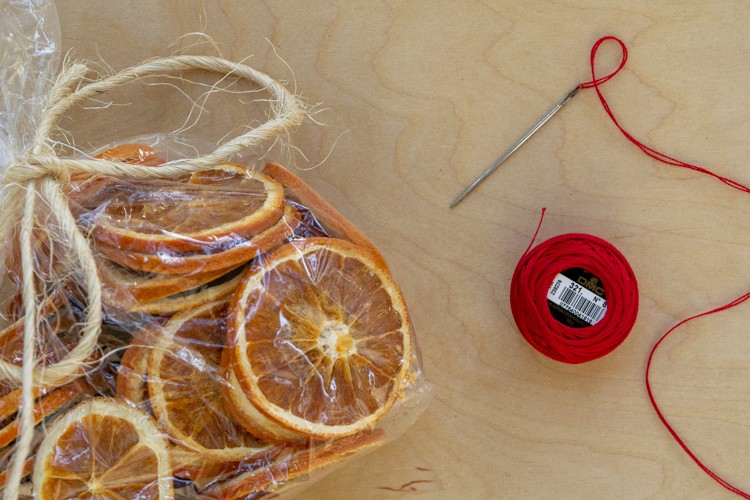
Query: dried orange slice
x=7, y=454
x=320, y=338
x=131, y=384
x=133, y=369
x=28, y=466
x=207, y=211
x=201, y=470
x=188, y=301
x=184, y=385
x=103, y=448
x=293, y=464
x=124, y=288
x=248, y=415
x=57, y=335
x=85, y=185
x=334, y=223
x=198, y=262
x=244, y=251
x=45, y=407
x=10, y=399
x=51, y=269
x=138, y=154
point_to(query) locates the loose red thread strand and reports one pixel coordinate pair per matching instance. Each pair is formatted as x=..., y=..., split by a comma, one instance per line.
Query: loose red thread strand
x=657, y=155
x=663, y=419
x=536, y=233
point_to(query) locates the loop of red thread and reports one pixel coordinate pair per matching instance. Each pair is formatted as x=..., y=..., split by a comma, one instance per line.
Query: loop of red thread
x=535, y=273
x=657, y=155
x=595, y=82
x=669, y=160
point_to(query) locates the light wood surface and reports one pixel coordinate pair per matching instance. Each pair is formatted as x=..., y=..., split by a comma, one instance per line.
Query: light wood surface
x=427, y=94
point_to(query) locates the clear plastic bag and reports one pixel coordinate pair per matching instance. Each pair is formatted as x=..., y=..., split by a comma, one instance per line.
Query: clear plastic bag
x=29, y=59
x=245, y=334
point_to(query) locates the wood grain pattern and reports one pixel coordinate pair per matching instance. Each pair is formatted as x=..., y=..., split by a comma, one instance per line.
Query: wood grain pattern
x=429, y=93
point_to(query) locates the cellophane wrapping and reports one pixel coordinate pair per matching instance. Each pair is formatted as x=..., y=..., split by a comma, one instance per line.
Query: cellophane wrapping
x=252, y=337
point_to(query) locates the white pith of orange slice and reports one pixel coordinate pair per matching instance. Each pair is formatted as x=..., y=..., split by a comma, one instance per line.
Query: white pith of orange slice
x=185, y=386
x=103, y=448
x=320, y=338
x=210, y=209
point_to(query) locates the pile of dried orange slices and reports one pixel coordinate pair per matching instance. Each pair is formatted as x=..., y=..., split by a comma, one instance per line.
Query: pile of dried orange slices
x=260, y=337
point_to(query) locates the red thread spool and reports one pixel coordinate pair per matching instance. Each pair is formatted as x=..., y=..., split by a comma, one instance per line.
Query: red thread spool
x=536, y=273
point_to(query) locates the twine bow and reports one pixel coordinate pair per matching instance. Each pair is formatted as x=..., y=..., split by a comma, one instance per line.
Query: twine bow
x=41, y=176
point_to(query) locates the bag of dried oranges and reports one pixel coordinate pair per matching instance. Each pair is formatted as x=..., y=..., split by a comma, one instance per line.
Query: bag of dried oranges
x=178, y=327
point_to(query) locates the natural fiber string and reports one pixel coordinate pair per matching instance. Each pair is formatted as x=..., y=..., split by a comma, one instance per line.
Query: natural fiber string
x=41, y=174
x=669, y=160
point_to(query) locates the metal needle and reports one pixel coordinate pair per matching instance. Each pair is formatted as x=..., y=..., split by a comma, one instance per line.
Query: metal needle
x=515, y=146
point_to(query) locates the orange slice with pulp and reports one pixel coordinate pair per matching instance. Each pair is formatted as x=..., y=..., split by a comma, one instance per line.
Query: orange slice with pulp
x=184, y=385
x=320, y=339
x=103, y=448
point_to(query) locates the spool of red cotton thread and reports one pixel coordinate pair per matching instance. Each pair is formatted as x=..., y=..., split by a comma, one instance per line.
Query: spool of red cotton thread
x=574, y=297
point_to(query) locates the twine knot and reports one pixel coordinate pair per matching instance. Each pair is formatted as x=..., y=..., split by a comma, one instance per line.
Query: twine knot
x=34, y=167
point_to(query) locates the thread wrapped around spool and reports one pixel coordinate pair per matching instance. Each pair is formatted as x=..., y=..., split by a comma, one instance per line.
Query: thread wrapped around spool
x=532, y=281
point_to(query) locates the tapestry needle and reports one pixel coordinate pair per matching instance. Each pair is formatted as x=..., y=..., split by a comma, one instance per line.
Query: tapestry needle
x=515, y=146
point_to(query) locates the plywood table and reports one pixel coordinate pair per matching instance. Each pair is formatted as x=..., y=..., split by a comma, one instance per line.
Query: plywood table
x=417, y=99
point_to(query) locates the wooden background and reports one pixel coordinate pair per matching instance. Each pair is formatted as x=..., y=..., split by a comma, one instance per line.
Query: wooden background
x=427, y=94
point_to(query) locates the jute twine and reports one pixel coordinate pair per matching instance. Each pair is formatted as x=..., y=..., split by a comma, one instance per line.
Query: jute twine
x=42, y=176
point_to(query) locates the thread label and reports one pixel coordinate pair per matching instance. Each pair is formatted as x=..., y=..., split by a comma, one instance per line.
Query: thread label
x=577, y=298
